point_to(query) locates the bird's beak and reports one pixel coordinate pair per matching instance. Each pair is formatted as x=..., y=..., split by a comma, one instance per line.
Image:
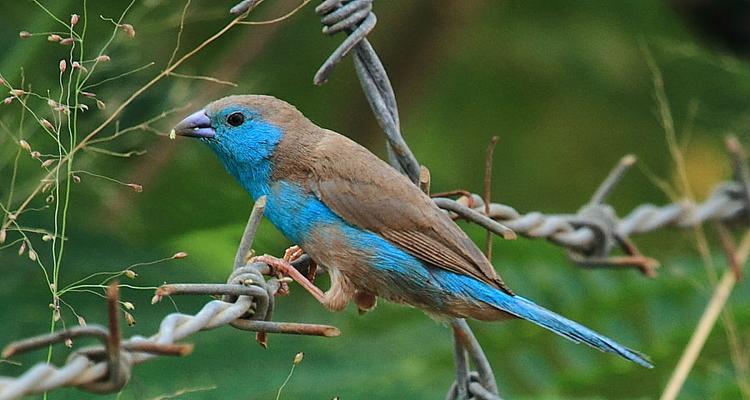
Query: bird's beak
x=196, y=125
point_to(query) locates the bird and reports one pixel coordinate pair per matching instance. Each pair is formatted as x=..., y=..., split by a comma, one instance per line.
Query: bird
x=376, y=233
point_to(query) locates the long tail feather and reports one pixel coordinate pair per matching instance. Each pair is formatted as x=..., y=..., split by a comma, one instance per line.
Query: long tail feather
x=574, y=331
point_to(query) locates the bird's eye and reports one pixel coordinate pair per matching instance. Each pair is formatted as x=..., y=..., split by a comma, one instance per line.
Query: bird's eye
x=236, y=119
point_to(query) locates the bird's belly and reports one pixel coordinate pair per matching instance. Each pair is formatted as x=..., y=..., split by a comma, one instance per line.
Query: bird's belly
x=358, y=259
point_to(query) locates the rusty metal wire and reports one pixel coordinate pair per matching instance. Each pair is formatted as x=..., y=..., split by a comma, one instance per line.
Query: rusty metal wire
x=355, y=17
x=247, y=304
x=590, y=236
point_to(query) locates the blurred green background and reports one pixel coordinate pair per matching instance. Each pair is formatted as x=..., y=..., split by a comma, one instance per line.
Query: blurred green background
x=564, y=84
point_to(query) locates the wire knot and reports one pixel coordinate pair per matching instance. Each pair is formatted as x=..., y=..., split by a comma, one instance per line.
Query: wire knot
x=602, y=221
x=355, y=17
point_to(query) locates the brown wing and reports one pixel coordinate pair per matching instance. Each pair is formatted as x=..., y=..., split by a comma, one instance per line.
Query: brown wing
x=368, y=193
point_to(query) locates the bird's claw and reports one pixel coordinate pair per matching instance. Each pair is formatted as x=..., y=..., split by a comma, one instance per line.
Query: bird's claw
x=293, y=253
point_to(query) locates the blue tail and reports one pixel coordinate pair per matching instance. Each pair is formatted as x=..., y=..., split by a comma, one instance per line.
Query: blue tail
x=574, y=331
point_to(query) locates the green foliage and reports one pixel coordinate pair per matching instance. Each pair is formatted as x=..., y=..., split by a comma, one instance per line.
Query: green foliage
x=564, y=84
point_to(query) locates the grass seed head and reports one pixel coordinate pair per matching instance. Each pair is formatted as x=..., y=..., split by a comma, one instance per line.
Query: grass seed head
x=24, y=145
x=67, y=41
x=54, y=38
x=74, y=19
x=24, y=34
x=102, y=58
x=128, y=29
x=63, y=66
x=129, y=318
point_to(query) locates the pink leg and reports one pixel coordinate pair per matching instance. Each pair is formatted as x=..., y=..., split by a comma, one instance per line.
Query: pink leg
x=284, y=267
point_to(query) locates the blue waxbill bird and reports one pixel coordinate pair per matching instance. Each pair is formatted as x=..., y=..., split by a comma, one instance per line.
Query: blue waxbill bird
x=376, y=233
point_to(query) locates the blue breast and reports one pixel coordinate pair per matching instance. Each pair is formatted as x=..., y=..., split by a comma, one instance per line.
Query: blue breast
x=297, y=214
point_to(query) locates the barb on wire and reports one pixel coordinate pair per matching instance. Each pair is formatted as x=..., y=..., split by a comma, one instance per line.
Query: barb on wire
x=355, y=17
x=592, y=234
x=247, y=304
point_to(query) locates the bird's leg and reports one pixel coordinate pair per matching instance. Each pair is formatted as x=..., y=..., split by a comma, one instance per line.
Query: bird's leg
x=284, y=267
x=295, y=252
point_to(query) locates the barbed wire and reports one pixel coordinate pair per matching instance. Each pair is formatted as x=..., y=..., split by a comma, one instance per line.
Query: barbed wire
x=247, y=304
x=590, y=236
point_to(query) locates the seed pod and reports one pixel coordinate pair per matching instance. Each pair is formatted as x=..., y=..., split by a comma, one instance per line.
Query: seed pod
x=35, y=154
x=67, y=41
x=47, y=237
x=298, y=358
x=103, y=58
x=81, y=321
x=68, y=343
x=24, y=145
x=179, y=255
x=128, y=29
x=83, y=107
x=76, y=179
x=22, y=249
x=54, y=38
x=48, y=162
x=88, y=94
x=63, y=66
x=24, y=34
x=128, y=305
x=32, y=255
x=100, y=104
x=130, y=273
x=77, y=65
x=129, y=318
x=52, y=103
x=17, y=92
x=74, y=19
x=136, y=187
x=3, y=235
x=50, y=198
x=47, y=124
x=8, y=100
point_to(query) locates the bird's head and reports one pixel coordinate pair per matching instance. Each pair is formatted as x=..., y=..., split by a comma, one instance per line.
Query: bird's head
x=243, y=131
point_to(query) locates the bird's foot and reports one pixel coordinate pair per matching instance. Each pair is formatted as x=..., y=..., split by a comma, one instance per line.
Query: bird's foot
x=283, y=267
x=293, y=253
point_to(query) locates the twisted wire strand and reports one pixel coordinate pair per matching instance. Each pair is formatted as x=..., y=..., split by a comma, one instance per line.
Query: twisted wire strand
x=355, y=17
x=80, y=370
x=247, y=304
x=725, y=204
